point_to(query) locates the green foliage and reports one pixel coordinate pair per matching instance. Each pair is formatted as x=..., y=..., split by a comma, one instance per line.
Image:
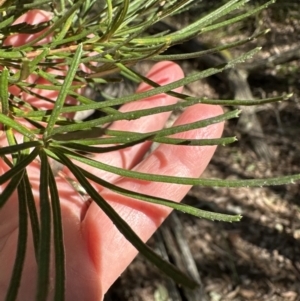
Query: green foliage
x=106, y=37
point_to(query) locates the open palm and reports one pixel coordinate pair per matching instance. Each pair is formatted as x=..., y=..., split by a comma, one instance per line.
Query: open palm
x=96, y=252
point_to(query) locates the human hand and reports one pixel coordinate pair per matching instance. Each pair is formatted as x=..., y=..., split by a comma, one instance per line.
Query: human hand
x=96, y=252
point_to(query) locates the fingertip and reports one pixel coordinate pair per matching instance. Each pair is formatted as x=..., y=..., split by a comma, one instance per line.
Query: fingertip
x=201, y=112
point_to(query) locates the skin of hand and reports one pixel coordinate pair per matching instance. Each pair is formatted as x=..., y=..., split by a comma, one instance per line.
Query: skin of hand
x=96, y=252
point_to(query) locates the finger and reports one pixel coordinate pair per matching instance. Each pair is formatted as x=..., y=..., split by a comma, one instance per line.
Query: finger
x=42, y=99
x=183, y=161
x=32, y=17
x=81, y=276
x=162, y=73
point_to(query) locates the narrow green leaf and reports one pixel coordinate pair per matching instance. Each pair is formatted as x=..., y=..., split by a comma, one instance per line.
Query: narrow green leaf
x=282, y=180
x=76, y=37
x=24, y=85
x=109, y=9
x=125, y=229
x=31, y=206
x=195, y=28
x=52, y=78
x=10, y=188
x=194, y=142
x=18, y=147
x=33, y=215
x=10, y=54
x=163, y=140
x=22, y=74
x=97, y=131
x=59, y=251
x=160, y=201
x=15, y=281
x=4, y=24
x=246, y=102
x=190, y=126
x=65, y=27
x=223, y=10
x=45, y=234
x=4, y=91
x=117, y=21
x=175, y=6
x=194, y=55
x=237, y=18
x=19, y=167
x=40, y=57
x=16, y=126
x=115, y=115
x=63, y=92
x=189, y=101
x=11, y=141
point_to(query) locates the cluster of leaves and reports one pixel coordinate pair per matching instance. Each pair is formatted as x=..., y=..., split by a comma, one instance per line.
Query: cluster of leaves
x=106, y=42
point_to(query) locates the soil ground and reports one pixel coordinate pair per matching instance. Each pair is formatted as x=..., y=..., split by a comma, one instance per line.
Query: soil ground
x=259, y=257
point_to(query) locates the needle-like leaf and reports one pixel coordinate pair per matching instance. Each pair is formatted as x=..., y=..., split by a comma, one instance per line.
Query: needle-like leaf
x=19, y=167
x=15, y=281
x=63, y=92
x=45, y=233
x=160, y=201
x=282, y=180
x=33, y=214
x=59, y=289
